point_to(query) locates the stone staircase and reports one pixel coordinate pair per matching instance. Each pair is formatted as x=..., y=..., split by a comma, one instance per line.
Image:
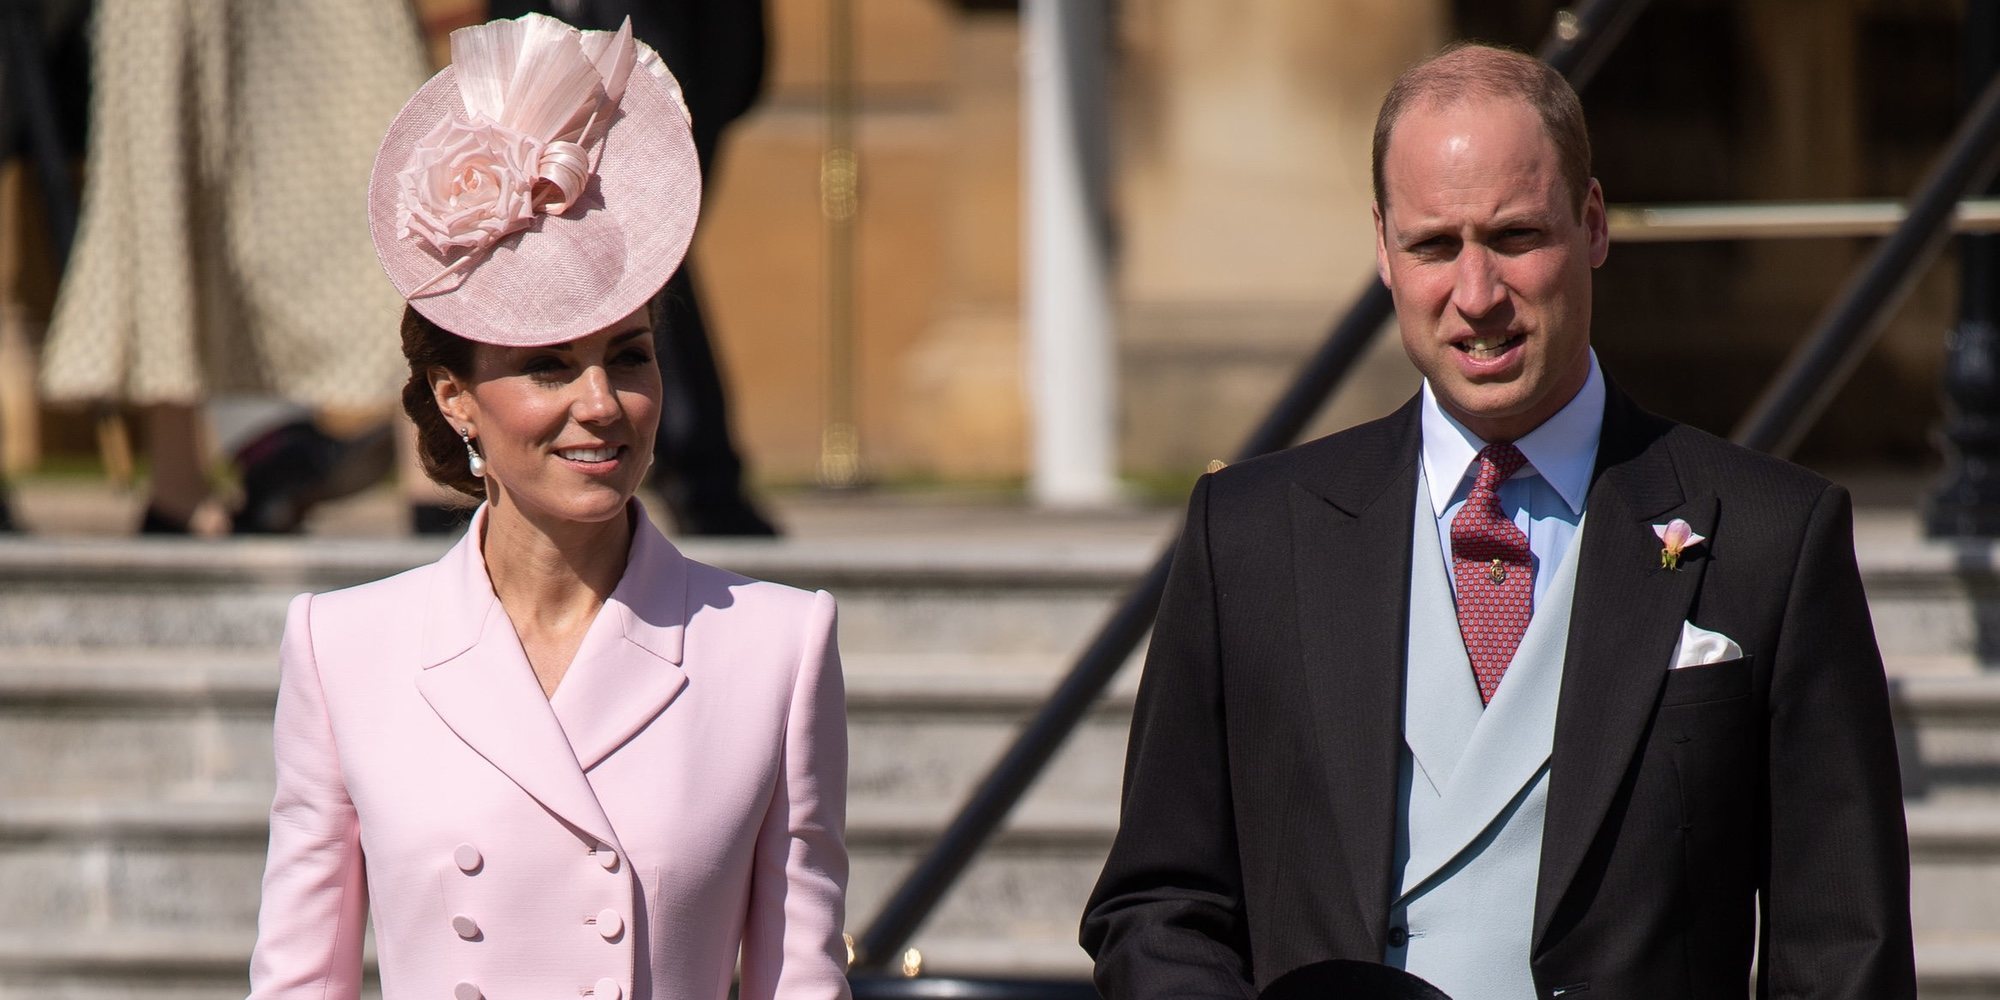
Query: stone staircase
x=137, y=681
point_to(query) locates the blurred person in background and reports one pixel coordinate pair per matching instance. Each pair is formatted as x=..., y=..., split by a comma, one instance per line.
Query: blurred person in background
x=220, y=249
x=45, y=61
x=716, y=48
x=563, y=760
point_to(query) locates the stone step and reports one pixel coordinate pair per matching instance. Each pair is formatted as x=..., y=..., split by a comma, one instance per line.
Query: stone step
x=926, y=726
x=919, y=596
x=149, y=964
x=950, y=593
x=1949, y=729
x=96, y=867
x=1955, y=870
x=213, y=966
x=182, y=724
x=110, y=866
x=1958, y=967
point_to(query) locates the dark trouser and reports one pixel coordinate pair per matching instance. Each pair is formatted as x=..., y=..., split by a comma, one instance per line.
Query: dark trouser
x=696, y=466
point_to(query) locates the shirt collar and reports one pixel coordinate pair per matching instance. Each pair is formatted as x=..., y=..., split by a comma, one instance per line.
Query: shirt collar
x=1562, y=450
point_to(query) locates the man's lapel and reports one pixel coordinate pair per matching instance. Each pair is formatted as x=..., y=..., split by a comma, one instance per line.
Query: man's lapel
x=478, y=680
x=1351, y=542
x=1624, y=622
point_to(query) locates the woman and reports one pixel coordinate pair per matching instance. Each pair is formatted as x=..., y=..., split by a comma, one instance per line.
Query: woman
x=564, y=760
x=219, y=250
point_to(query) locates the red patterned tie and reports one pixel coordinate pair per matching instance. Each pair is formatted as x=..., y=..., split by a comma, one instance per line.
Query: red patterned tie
x=1494, y=572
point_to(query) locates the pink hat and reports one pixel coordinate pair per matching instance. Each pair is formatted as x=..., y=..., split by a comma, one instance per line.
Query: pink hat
x=536, y=190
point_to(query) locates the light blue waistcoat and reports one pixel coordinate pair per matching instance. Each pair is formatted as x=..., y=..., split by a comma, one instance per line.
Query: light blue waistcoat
x=1474, y=785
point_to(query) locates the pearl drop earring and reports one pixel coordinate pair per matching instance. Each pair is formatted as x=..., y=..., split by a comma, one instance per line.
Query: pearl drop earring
x=472, y=457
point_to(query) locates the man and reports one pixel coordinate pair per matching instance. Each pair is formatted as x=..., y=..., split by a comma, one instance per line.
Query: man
x=1521, y=689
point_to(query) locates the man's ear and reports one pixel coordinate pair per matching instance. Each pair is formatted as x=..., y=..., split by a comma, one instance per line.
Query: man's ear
x=454, y=399
x=1381, y=243
x=1596, y=223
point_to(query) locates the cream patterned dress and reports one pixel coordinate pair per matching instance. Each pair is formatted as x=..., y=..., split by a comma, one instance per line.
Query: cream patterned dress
x=224, y=241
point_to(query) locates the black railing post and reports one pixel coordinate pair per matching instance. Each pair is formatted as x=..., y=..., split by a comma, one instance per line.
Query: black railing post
x=1581, y=39
x=1822, y=362
x=1967, y=501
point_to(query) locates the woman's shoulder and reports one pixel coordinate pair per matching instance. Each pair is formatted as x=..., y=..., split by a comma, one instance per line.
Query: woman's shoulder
x=377, y=603
x=723, y=589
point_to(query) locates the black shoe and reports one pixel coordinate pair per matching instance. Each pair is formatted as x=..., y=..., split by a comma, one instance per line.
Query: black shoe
x=733, y=518
x=7, y=524
x=435, y=519
x=152, y=522
x=294, y=467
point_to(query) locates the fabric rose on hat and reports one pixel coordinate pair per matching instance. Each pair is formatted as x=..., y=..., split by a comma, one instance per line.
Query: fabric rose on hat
x=468, y=184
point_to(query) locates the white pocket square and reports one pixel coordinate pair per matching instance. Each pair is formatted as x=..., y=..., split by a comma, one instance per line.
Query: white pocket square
x=1699, y=646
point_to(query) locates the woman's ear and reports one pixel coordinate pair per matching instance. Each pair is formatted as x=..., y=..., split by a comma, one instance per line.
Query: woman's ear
x=454, y=399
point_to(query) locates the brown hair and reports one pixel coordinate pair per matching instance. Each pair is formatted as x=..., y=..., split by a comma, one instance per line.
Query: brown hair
x=428, y=347
x=1467, y=70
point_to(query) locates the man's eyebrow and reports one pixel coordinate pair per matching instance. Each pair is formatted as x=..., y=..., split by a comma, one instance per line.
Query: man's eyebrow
x=1409, y=236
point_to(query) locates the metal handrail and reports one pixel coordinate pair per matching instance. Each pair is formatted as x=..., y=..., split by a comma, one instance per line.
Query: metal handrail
x=1782, y=220
x=955, y=988
x=1821, y=363
x=1577, y=46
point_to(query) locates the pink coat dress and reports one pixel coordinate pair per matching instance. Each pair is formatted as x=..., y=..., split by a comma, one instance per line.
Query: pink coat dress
x=681, y=798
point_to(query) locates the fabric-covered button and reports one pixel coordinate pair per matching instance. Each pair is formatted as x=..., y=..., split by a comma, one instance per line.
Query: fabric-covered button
x=1398, y=937
x=466, y=991
x=607, y=989
x=607, y=857
x=467, y=858
x=610, y=924
x=466, y=927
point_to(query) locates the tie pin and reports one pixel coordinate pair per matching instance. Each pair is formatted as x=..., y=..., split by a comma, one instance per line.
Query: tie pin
x=1497, y=572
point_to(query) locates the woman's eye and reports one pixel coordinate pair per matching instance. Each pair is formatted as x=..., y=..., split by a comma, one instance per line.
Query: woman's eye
x=637, y=357
x=544, y=366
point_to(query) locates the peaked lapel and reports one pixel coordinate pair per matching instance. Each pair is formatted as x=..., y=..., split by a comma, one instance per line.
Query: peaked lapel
x=478, y=680
x=1624, y=622
x=1351, y=530
x=627, y=668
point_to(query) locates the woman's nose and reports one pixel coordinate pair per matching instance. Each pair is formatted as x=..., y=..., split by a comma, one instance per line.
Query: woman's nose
x=596, y=403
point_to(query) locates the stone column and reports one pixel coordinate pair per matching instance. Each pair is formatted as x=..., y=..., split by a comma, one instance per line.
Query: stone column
x=1071, y=358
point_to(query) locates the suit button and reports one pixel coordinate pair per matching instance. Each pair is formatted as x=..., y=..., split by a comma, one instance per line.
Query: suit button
x=467, y=858
x=607, y=857
x=1398, y=937
x=466, y=991
x=609, y=924
x=608, y=989
x=466, y=927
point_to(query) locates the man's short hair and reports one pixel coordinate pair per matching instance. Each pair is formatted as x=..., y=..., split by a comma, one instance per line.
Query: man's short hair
x=1466, y=71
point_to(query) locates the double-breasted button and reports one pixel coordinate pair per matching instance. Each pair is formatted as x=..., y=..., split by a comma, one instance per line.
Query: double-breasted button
x=466, y=927
x=467, y=858
x=466, y=991
x=610, y=924
x=607, y=989
x=608, y=857
x=1398, y=937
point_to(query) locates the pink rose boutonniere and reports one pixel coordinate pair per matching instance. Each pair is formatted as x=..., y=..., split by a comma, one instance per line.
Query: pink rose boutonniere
x=1675, y=535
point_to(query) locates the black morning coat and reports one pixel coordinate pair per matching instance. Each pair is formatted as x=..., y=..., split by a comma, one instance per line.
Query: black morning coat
x=1260, y=788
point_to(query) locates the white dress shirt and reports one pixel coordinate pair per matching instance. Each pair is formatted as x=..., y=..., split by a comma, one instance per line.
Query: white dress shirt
x=1545, y=497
